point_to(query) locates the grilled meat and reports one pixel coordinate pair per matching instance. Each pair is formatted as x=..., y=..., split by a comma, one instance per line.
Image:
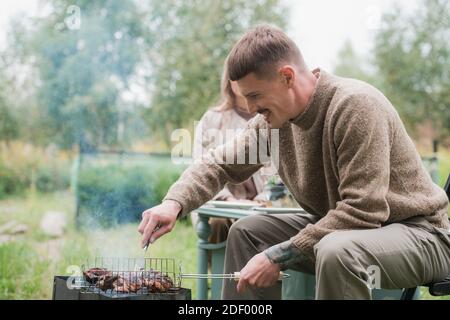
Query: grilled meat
x=93, y=274
x=121, y=285
x=126, y=282
x=106, y=282
x=157, y=282
x=134, y=282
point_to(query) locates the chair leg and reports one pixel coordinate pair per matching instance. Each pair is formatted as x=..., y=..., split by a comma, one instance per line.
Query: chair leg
x=408, y=293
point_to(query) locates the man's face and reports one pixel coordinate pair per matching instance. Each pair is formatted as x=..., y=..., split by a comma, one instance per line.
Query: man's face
x=273, y=98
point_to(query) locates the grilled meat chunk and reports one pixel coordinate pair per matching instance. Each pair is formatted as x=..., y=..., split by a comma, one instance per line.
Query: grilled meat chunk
x=92, y=275
x=121, y=285
x=106, y=282
x=126, y=282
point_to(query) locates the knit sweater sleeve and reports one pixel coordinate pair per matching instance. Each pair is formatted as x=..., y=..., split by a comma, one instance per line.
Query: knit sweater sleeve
x=361, y=136
x=232, y=162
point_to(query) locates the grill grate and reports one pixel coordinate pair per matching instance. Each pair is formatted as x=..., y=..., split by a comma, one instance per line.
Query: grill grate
x=123, y=277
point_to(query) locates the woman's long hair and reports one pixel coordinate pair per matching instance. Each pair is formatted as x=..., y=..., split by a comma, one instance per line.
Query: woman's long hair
x=227, y=97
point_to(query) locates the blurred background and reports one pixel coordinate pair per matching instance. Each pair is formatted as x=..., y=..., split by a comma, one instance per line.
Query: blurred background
x=91, y=91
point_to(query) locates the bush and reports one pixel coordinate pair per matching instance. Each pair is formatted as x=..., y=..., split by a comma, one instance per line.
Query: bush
x=52, y=178
x=10, y=183
x=23, y=166
x=113, y=194
x=162, y=182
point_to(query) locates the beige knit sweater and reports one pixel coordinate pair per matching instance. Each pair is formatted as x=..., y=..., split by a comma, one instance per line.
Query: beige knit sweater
x=347, y=159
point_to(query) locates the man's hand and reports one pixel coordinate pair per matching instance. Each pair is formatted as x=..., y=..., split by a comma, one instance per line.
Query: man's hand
x=161, y=217
x=258, y=272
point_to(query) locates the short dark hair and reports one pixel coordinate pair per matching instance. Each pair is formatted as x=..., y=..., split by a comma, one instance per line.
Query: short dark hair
x=259, y=49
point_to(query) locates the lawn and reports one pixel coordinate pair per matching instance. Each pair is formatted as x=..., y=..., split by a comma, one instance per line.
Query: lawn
x=444, y=166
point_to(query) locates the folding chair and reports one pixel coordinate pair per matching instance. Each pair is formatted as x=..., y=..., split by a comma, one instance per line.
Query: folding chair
x=440, y=288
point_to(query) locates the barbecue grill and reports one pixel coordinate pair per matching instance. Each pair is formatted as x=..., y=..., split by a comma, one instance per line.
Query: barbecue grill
x=134, y=279
x=130, y=279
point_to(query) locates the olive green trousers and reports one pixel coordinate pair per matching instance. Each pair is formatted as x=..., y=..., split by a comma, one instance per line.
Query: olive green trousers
x=348, y=263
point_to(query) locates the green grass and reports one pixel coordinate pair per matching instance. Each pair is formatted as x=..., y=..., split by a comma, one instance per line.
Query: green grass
x=444, y=166
x=20, y=271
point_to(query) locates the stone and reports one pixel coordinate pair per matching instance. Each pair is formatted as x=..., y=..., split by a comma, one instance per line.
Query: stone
x=6, y=227
x=5, y=238
x=54, y=223
x=19, y=229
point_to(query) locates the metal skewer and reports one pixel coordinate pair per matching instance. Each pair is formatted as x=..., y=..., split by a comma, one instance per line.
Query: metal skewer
x=233, y=276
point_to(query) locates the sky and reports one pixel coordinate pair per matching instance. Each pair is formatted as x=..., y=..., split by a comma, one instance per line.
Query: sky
x=319, y=27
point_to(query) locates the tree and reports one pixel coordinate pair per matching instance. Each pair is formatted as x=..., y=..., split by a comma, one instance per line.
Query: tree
x=8, y=122
x=83, y=71
x=193, y=41
x=9, y=126
x=412, y=53
x=352, y=65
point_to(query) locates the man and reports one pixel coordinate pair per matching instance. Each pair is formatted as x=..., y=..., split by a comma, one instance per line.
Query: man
x=345, y=156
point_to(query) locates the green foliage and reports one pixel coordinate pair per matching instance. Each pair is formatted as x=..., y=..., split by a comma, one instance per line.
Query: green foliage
x=444, y=167
x=23, y=166
x=82, y=73
x=412, y=57
x=351, y=65
x=113, y=194
x=78, y=80
x=189, y=54
x=47, y=179
x=9, y=127
x=164, y=180
x=9, y=184
x=21, y=271
x=52, y=178
x=410, y=64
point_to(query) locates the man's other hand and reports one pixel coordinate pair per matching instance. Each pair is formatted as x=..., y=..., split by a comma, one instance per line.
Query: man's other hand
x=258, y=272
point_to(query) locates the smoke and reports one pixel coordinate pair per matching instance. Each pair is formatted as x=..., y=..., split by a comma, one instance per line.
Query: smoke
x=118, y=241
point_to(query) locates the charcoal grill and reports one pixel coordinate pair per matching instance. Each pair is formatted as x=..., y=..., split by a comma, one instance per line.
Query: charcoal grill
x=133, y=270
x=130, y=269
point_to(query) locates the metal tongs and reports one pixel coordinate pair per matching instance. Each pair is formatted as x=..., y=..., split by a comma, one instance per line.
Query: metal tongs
x=139, y=265
x=148, y=242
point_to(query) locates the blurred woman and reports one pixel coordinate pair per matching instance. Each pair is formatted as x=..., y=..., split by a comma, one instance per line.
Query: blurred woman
x=231, y=114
